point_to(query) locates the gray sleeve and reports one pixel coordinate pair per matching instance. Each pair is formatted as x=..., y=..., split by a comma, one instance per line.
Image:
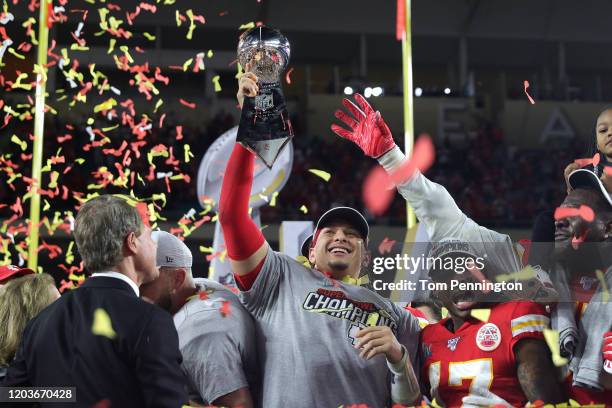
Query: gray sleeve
x=408, y=332
x=264, y=293
x=436, y=209
x=213, y=363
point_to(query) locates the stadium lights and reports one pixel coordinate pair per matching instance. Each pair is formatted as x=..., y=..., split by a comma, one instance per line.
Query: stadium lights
x=447, y=91
x=367, y=92
x=348, y=90
x=418, y=92
x=377, y=91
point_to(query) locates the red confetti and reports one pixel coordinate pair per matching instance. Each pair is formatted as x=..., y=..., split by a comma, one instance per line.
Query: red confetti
x=203, y=296
x=179, y=132
x=143, y=211
x=526, y=85
x=400, y=20
x=288, y=75
x=378, y=186
x=386, y=245
x=225, y=308
x=608, y=171
x=585, y=212
x=187, y=104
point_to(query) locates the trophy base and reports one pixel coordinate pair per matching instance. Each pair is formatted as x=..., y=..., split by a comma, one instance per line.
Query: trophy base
x=264, y=127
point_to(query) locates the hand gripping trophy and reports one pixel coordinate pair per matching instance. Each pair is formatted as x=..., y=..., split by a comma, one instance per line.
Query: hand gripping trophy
x=264, y=126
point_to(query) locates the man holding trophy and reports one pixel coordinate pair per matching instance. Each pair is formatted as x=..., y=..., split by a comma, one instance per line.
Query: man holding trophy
x=322, y=342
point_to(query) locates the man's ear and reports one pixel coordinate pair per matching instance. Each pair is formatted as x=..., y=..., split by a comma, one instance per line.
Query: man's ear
x=180, y=274
x=311, y=255
x=366, y=258
x=130, y=244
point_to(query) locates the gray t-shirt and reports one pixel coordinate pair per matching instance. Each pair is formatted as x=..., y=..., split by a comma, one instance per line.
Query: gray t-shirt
x=306, y=325
x=216, y=340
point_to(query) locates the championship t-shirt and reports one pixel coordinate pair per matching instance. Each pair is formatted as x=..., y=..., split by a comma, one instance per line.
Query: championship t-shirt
x=216, y=338
x=306, y=325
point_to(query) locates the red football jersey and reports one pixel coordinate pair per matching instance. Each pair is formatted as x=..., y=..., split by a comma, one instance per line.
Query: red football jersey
x=478, y=359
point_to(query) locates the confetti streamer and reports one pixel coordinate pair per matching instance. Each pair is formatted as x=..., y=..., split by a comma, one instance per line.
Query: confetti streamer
x=481, y=314
x=378, y=190
x=288, y=75
x=526, y=85
x=524, y=274
x=321, y=173
x=102, y=325
x=304, y=209
x=385, y=246
x=584, y=212
x=187, y=104
x=552, y=339
x=215, y=81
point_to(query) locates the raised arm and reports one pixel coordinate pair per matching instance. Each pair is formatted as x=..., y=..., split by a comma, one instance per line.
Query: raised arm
x=246, y=246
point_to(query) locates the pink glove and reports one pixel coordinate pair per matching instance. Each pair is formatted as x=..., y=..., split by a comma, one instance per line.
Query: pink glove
x=607, y=352
x=368, y=130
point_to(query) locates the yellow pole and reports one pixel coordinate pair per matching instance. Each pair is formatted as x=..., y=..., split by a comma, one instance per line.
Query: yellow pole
x=408, y=99
x=39, y=123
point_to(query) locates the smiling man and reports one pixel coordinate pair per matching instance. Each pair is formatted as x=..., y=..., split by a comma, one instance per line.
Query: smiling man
x=500, y=360
x=583, y=247
x=322, y=342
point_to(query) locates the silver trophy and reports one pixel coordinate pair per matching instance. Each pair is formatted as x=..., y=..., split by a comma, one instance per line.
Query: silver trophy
x=264, y=125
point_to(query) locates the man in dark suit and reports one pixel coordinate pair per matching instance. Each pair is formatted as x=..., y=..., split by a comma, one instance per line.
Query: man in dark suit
x=102, y=338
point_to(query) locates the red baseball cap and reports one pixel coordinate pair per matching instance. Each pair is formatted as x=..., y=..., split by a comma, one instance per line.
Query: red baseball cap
x=7, y=272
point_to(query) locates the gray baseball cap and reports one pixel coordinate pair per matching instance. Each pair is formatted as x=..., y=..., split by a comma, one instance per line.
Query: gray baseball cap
x=171, y=251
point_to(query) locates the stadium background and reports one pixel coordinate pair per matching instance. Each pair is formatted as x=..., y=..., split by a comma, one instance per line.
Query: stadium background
x=501, y=157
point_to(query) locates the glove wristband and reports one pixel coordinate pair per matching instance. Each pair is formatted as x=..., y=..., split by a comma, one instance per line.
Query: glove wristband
x=392, y=159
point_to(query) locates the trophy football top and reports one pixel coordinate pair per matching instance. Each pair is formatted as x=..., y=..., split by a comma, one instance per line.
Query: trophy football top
x=267, y=50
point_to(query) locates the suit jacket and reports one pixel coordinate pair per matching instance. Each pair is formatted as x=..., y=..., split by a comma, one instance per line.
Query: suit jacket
x=139, y=367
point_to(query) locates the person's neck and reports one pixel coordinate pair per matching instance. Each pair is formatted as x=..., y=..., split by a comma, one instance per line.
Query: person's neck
x=183, y=295
x=130, y=272
x=457, y=322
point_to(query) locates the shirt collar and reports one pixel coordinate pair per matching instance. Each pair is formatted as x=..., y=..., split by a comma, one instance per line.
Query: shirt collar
x=118, y=275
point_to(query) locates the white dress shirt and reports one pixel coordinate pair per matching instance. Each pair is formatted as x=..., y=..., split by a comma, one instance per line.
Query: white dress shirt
x=118, y=275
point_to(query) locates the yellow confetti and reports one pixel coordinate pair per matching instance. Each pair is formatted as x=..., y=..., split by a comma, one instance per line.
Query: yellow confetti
x=69, y=254
x=605, y=296
x=304, y=209
x=188, y=153
x=19, y=142
x=54, y=176
x=481, y=314
x=46, y=206
x=524, y=274
x=372, y=319
x=102, y=325
x=573, y=403
x=209, y=54
x=247, y=26
x=177, y=16
x=216, y=82
x=106, y=105
x=323, y=174
x=192, y=25
x=435, y=404
x=444, y=312
x=552, y=339
x=15, y=53
x=273, y=199
x=187, y=64
x=111, y=45
x=108, y=129
x=148, y=36
x=158, y=104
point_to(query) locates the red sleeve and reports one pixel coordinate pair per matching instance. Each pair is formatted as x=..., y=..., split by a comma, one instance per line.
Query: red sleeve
x=528, y=320
x=242, y=237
